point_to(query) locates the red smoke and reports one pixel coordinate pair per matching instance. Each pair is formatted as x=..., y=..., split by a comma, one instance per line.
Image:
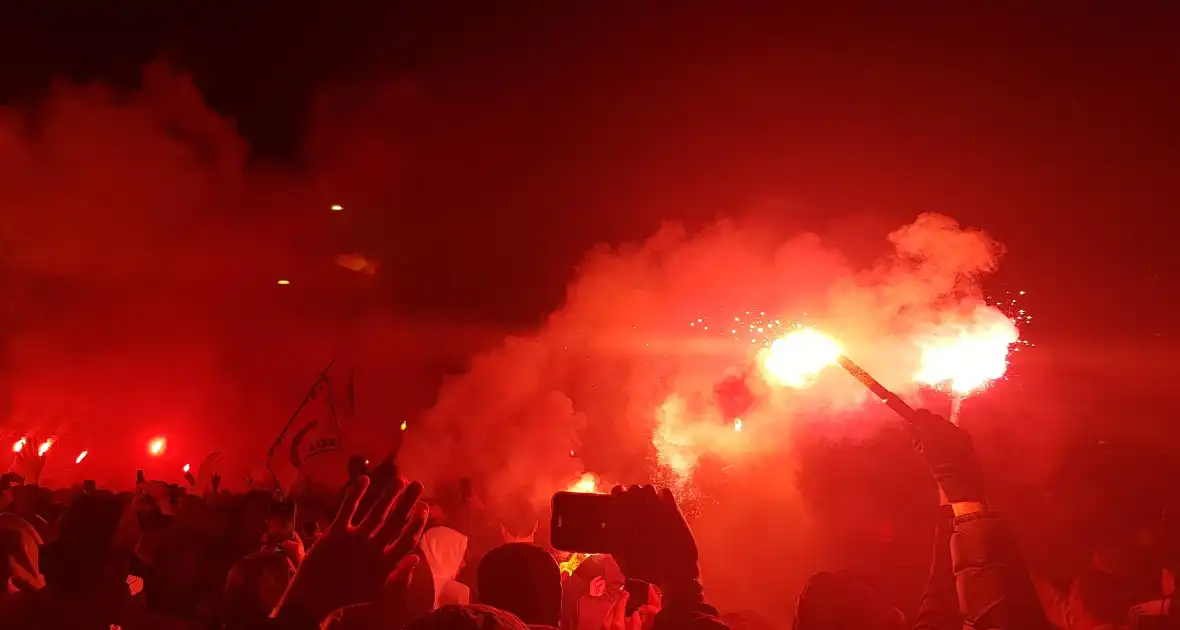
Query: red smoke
x=618, y=377
x=141, y=254
x=618, y=367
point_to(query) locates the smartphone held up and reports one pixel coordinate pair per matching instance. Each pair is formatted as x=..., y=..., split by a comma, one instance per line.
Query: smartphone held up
x=586, y=523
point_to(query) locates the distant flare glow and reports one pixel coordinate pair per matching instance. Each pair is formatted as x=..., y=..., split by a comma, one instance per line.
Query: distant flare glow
x=45, y=446
x=795, y=359
x=403, y=425
x=587, y=484
x=156, y=447
x=357, y=262
x=19, y=445
x=187, y=468
x=81, y=456
x=284, y=282
x=337, y=207
x=737, y=424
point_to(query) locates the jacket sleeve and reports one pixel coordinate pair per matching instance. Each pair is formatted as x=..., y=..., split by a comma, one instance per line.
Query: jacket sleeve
x=993, y=584
x=684, y=608
x=939, y=607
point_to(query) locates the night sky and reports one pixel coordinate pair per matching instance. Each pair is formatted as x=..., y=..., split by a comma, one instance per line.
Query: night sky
x=529, y=134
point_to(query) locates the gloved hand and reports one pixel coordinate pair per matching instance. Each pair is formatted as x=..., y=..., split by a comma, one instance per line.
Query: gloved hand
x=950, y=453
x=659, y=546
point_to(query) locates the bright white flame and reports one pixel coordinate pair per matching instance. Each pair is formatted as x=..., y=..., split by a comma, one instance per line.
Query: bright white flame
x=19, y=444
x=796, y=359
x=737, y=424
x=45, y=446
x=337, y=207
x=157, y=446
x=187, y=468
x=81, y=456
x=968, y=356
x=284, y=282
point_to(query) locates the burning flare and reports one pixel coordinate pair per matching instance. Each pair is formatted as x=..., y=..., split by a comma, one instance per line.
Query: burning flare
x=588, y=484
x=156, y=447
x=81, y=456
x=19, y=445
x=795, y=359
x=966, y=357
x=45, y=446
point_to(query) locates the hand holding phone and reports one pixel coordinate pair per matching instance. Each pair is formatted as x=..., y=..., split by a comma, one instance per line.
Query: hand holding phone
x=641, y=528
x=640, y=594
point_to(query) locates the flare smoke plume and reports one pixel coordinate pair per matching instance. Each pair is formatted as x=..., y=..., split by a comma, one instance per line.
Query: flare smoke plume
x=617, y=382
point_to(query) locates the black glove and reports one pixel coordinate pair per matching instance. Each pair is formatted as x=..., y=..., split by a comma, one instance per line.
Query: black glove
x=658, y=546
x=951, y=456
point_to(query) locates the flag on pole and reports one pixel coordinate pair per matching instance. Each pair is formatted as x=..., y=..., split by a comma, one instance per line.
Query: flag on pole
x=313, y=430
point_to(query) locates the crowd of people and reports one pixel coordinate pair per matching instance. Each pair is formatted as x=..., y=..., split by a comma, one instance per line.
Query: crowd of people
x=380, y=554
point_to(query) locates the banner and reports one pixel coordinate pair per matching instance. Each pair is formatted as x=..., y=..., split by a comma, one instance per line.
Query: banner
x=313, y=430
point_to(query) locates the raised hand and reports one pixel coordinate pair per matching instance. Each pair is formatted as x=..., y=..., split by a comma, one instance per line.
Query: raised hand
x=950, y=453
x=205, y=473
x=658, y=546
x=29, y=463
x=350, y=563
x=616, y=617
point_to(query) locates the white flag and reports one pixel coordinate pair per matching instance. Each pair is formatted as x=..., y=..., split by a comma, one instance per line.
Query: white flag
x=313, y=430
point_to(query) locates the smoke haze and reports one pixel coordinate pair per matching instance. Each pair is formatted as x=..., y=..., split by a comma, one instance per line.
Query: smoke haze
x=628, y=359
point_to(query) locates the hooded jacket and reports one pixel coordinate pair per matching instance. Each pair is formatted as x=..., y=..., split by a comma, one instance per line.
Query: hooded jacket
x=444, y=549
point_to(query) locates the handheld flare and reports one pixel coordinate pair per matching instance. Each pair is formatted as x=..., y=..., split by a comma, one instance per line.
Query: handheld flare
x=889, y=398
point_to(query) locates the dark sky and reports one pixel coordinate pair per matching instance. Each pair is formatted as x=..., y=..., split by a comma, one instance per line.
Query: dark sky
x=541, y=131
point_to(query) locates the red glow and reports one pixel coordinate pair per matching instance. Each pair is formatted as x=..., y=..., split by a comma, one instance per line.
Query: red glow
x=156, y=447
x=81, y=456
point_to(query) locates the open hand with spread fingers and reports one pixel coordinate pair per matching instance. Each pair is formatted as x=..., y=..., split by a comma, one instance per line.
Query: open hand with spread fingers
x=351, y=562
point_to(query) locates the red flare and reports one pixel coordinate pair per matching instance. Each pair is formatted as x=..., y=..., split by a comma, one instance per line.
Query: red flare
x=156, y=447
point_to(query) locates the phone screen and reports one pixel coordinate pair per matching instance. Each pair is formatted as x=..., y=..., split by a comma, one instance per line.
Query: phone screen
x=584, y=523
